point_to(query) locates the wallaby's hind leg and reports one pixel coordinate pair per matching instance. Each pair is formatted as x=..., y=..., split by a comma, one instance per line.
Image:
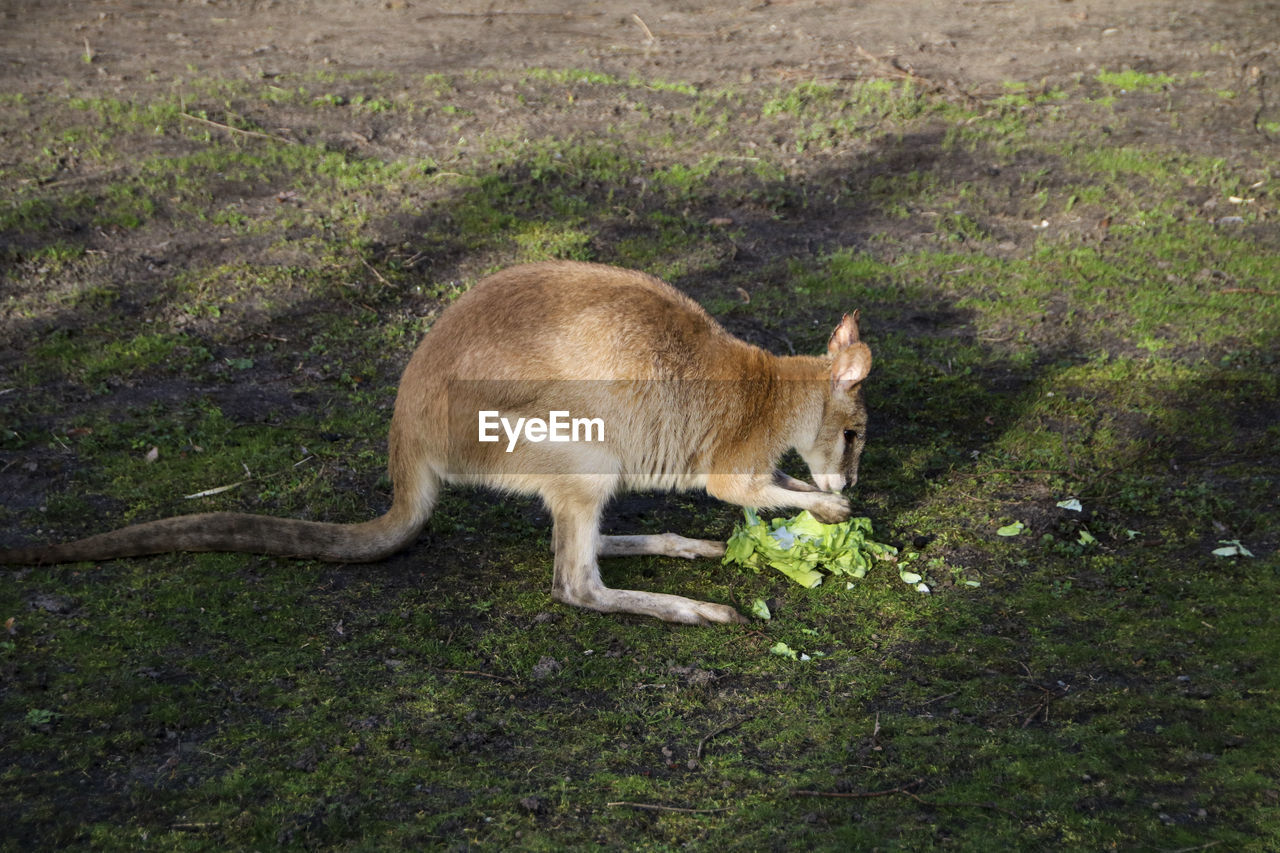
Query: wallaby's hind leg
x=577, y=574
x=661, y=544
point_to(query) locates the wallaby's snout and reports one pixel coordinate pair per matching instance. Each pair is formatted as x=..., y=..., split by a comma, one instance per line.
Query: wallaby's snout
x=840, y=431
x=834, y=482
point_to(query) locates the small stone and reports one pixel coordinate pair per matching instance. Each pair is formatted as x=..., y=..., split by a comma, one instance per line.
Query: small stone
x=545, y=668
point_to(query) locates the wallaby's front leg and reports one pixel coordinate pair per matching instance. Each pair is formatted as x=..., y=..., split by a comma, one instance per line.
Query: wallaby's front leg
x=674, y=545
x=660, y=544
x=791, y=484
x=577, y=575
x=764, y=491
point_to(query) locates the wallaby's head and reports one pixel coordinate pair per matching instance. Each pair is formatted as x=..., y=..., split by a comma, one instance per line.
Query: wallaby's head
x=841, y=432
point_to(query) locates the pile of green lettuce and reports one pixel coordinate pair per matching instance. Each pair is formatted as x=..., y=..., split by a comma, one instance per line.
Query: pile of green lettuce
x=798, y=546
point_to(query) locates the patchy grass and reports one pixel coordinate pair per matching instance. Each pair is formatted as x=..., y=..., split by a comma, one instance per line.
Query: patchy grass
x=1053, y=317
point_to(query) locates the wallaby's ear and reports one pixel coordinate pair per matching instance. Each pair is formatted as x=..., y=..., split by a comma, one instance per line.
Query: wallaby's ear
x=845, y=335
x=850, y=366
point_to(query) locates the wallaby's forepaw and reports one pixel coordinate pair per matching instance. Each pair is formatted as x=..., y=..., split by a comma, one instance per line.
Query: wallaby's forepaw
x=830, y=508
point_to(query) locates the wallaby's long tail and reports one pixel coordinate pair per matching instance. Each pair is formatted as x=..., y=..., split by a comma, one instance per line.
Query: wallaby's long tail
x=241, y=532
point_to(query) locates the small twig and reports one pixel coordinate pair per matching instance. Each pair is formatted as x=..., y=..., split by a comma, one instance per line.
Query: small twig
x=655, y=807
x=375, y=272
x=893, y=69
x=1043, y=705
x=855, y=795
x=501, y=14
x=207, y=493
x=221, y=126
x=1256, y=290
x=719, y=731
x=1194, y=849
x=249, y=477
x=78, y=178
x=939, y=698
x=864, y=795
x=648, y=33
x=1262, y=107
x=477, y=672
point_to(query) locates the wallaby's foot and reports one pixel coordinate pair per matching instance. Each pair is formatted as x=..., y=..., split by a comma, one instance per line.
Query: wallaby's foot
x=668, y=608
x=830, y=508
x=662, y=544
x=714, y=614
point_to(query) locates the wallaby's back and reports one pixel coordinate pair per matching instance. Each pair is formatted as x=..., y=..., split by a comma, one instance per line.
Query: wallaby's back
x=670, y=384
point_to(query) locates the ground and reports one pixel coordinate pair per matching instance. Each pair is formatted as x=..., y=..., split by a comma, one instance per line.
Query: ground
x=224, y=226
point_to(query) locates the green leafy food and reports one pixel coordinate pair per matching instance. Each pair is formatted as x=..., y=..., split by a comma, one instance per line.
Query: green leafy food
x=799, y=546
x=1231, y=548
x=1011, y=529
x=783, y=650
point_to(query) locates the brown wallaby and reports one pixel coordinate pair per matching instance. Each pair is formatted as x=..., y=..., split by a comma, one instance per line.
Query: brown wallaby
x=640, y=388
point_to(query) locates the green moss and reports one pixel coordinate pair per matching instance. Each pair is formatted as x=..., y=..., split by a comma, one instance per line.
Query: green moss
x=1087, y=695
x=1129, y=80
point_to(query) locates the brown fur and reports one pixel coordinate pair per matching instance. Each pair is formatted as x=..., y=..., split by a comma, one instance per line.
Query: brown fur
x=684, y=405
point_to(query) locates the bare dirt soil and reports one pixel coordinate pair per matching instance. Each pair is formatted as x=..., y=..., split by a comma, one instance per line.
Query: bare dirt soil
x=970, y=45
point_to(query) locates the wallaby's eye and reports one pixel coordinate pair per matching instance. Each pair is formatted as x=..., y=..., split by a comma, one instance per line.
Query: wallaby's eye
x=850, y=436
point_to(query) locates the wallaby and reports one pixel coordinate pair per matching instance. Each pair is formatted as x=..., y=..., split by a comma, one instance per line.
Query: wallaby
x=667, y=399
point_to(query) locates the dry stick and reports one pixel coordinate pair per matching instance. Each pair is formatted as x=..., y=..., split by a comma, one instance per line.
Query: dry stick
x=375, y=272
x=1257, y=290
x=501, y=14
x=896, y=70
x=865, y=795
x=939, y=698
x=222, y=126
x=855, y=795
x=648, y=33
x=719, y=731
x=480, y=674
x=891, y=68
x=217, y=490
x=78, y=178
x=1194, y=849
x=1262, y=107
x=654, y=807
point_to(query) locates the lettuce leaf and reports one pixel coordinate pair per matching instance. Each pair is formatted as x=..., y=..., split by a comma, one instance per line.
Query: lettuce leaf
x=800, y=546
